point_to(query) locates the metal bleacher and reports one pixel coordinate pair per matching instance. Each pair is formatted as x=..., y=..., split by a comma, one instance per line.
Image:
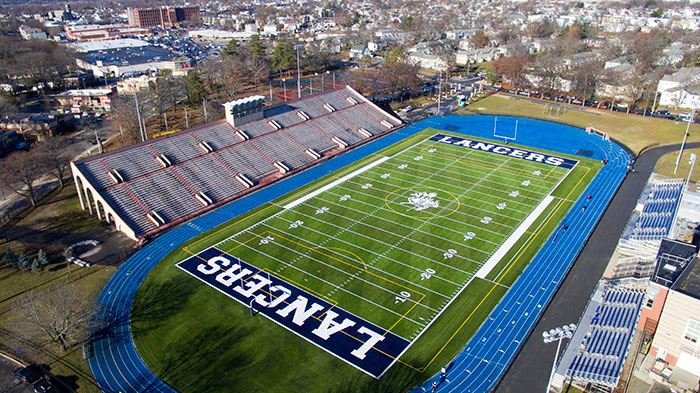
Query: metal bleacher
x=607, y=332
x=660, y=202
x=166, y=175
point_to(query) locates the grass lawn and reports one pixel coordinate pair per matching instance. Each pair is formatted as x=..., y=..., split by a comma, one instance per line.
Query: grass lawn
x=636, y=132
x=56, y=223
x=667, y=162
x=198, y=340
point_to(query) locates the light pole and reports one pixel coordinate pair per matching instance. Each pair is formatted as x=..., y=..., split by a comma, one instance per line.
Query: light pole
x=298, y=47
x=557, y=334
x=685, y=138
x=284, y=89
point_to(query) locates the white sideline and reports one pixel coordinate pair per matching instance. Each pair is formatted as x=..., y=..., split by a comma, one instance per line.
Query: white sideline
x=512, y=239
x=335, y=183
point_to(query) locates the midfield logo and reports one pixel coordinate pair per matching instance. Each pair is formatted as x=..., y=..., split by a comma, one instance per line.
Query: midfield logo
x=422, y=200
x=364, y=345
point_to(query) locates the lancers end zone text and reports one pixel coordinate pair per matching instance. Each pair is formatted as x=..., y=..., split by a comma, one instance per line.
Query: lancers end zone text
x=363, y=266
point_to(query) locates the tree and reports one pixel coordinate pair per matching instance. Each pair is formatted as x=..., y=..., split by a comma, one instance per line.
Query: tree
x=232, y=48
x=513, y=67
x=395, y=55
x=10, y=258
x=20, y=171
x=480, y=39
x=42, y=258
x=401, y=77
x=23, y=261
x=541, y=29
x=61, y=313
x=256, y=50
x=124, y=116
x=52, y=152
x=283, y=56
x=196, y=92
x=406, y=23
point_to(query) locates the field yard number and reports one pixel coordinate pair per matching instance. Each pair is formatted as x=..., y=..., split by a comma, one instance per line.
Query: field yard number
x=514, y=194
x=296, y=224
x=322, y=210
x=431, y=150
x=385, y=176
x=427, y=274
x=537, y=173
x=418, y=158
x=525, y=183
x=402, y=297
x=469, y=235
x=449, y=253
x=366, y=186
x=345, y=197
x=403, y=166
x=266, y=240
x=501, y=206
x=486, y=220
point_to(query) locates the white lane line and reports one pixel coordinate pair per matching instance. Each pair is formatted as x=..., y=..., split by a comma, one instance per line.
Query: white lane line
x=512, y=239
x=335, y=183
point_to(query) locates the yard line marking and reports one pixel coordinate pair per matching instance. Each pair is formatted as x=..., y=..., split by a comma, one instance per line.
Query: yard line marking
x=335, y=183
x=328, y=282
x=388, y=258
x=513, y=238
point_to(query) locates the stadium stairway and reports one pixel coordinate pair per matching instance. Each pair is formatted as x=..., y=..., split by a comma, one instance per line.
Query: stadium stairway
x=118, y=367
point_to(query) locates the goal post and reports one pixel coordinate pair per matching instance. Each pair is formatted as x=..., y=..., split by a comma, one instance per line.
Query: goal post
x=602, y=134
x=501, y=135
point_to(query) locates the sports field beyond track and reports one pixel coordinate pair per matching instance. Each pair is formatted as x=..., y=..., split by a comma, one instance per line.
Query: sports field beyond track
x=421, y=239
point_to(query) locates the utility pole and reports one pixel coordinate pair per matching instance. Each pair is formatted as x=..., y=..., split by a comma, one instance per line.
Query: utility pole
x=204, y=108
x=138, y=117
x=439, y=93
x=187, y=119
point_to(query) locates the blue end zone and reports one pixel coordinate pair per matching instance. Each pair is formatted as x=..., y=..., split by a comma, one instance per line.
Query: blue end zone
x=118, y=367
x=505, y=151
x=363, y=344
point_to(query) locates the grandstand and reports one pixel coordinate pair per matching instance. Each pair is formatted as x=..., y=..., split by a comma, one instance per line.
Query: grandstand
x=656, y=211
x=601, y=343
x=147, y=188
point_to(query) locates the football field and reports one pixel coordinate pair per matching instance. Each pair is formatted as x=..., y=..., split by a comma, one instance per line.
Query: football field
x=387, y=247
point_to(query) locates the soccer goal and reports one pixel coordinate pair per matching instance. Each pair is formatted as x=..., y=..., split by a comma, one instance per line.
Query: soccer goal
x=598, y=132
x=504, y=132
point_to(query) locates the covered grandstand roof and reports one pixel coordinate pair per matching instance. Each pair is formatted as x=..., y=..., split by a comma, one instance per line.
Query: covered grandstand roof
x=156, y=184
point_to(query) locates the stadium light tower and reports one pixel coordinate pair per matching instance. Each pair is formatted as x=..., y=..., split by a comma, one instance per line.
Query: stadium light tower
x=557, y=334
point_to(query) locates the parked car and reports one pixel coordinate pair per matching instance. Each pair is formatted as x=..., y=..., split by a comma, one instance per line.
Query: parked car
x=45, y=386
x=685, y=116
x=591, y=103
x=29, y=374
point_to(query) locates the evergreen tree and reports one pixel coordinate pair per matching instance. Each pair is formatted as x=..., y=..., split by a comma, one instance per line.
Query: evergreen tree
x=36, y=266
x=23, y=261
x=256, y=48
x=196, y=91
x=232, y=48
x=10, y=258
x=283, y=57
x=42, y=258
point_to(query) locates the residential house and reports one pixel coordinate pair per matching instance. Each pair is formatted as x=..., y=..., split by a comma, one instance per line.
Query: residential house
x=680, y=89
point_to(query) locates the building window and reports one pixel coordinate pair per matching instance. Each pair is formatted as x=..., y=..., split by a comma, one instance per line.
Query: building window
x=650, y=302
x=692, y=331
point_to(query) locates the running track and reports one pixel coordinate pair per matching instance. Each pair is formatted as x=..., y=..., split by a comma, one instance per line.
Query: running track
x=117, y=366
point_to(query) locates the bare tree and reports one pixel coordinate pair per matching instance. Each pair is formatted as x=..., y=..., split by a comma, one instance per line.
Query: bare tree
x=20, y=171
x=52, y=152
x=62, y=314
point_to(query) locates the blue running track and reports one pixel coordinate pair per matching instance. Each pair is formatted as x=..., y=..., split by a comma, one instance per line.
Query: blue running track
x=117, y=366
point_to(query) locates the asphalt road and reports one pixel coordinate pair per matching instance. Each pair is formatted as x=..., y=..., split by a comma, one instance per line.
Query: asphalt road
x=530, y=370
